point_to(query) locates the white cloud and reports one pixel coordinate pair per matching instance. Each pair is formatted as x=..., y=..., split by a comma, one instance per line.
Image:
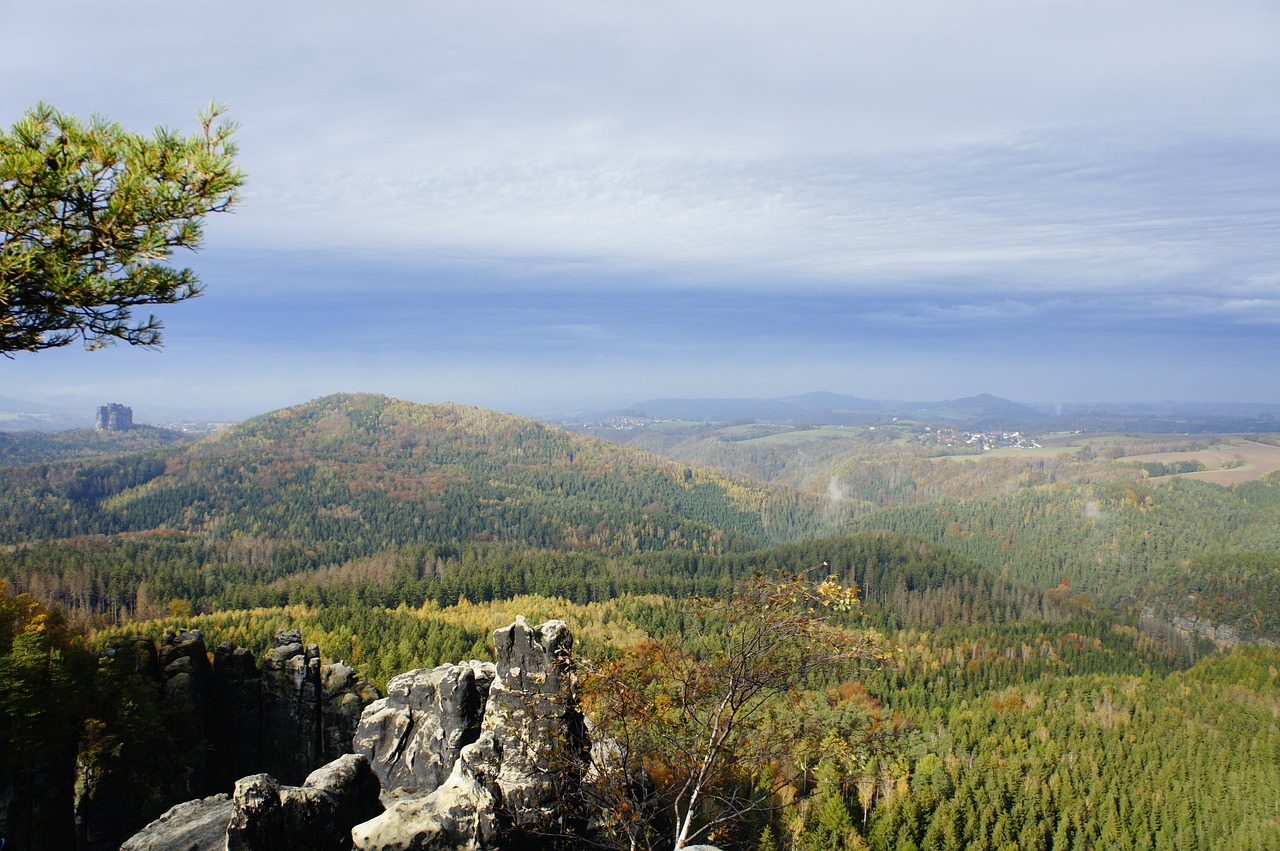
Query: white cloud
x=985, y=162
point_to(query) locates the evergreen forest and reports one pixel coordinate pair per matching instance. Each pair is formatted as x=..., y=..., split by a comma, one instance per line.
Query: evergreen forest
x=1072, y=651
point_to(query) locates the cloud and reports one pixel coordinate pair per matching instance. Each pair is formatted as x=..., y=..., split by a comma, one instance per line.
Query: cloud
x=898, y=198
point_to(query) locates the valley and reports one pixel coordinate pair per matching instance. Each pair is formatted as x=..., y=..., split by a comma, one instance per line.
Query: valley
x=1050, y=620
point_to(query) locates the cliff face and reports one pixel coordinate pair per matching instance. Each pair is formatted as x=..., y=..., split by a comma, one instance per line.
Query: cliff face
x=216, y=722
x=292, y=738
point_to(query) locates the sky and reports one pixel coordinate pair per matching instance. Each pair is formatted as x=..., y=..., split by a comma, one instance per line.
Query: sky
x=556, y=206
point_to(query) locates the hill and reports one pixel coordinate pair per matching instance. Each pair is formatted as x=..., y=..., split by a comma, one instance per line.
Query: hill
x=350, y=476
x=29, y=447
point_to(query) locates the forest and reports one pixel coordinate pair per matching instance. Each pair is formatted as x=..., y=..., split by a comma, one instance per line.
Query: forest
x=1040, y=679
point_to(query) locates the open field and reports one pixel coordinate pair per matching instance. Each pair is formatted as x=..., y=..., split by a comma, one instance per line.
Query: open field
x=1005, y=452
x=1227, y=463
x=801, y=436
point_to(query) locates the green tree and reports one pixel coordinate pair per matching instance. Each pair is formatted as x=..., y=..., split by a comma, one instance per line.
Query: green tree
x=90, y=212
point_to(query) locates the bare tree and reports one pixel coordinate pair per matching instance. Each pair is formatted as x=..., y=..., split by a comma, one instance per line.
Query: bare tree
x=691, y=739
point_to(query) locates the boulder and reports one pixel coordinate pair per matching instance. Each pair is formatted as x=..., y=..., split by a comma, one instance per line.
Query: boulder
x=316, y=816
x=191, y=826
x=415, y=734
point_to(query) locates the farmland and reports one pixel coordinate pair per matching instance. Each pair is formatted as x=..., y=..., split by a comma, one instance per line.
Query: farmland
x=1230, y=462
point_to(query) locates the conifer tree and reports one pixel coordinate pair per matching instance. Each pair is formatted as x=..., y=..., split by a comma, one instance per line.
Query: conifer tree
x=90, y=212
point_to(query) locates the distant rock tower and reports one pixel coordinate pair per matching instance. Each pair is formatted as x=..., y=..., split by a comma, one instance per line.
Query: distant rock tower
x=114, y=417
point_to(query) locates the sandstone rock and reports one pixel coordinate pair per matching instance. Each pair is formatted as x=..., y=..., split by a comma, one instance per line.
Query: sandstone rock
x=343, y=697
x=414, y=735
x=146, y=661
x=237, y=715
x=506, y=788
x=216, y=729
x=317, y=816
x=486, y=755
x=462, y=813
x=192, y=826
x=539, y=731
x=187, y=693
x=290, y=708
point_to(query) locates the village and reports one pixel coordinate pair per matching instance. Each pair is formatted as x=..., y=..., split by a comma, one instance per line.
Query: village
x=984, y=440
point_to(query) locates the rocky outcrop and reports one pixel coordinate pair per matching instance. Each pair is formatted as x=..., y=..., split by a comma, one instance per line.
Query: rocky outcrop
x=316, y=816
x=465, y=812
x=509, y=784
x=533, y=715
x=469, y=756
x=291, y=729
x=415, y=734
x=237, y=723
x=343, y=697
x=121, y=781
x=219, y=721
x=187, y=690
x=191, y=826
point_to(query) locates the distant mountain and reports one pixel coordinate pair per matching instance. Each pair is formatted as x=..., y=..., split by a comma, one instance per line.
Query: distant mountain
x=808, y=407
x=353, y=474
x=24, y=415
x=984, y=411
x=979, y=413
x=1169, y=417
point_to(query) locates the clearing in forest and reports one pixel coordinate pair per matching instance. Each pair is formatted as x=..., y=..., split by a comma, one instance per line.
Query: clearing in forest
x=1228, y=463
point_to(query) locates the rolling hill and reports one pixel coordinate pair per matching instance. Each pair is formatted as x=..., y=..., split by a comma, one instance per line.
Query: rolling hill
x=370, y=471
x=350, y=476
x=399, y=535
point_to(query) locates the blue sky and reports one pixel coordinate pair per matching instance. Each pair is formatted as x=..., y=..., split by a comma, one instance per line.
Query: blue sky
x=545, y=207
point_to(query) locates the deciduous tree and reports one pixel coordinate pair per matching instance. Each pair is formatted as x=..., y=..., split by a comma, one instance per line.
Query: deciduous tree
x=713, y=723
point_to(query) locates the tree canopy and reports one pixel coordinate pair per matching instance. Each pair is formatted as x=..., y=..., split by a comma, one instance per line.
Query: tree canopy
x=89, y=215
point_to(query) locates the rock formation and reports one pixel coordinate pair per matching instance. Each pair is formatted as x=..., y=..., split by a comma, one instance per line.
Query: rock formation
x=263, y=815
x=237, y=723
x=220, y=722
x=415, y=734
x=316, y=816
x=187, y=690
x=291, y=731
x=191, y=826
x=507, y=785
x=471, y=756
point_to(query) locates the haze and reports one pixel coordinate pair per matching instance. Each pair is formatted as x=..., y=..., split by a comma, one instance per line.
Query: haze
x=543, y=206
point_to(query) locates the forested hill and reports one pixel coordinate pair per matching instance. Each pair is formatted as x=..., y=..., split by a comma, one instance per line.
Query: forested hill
x=1188, y=551
x=82, y=443
x=354, y=474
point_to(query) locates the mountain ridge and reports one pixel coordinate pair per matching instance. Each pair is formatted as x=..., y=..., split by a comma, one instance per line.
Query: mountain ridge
x=980, y=412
